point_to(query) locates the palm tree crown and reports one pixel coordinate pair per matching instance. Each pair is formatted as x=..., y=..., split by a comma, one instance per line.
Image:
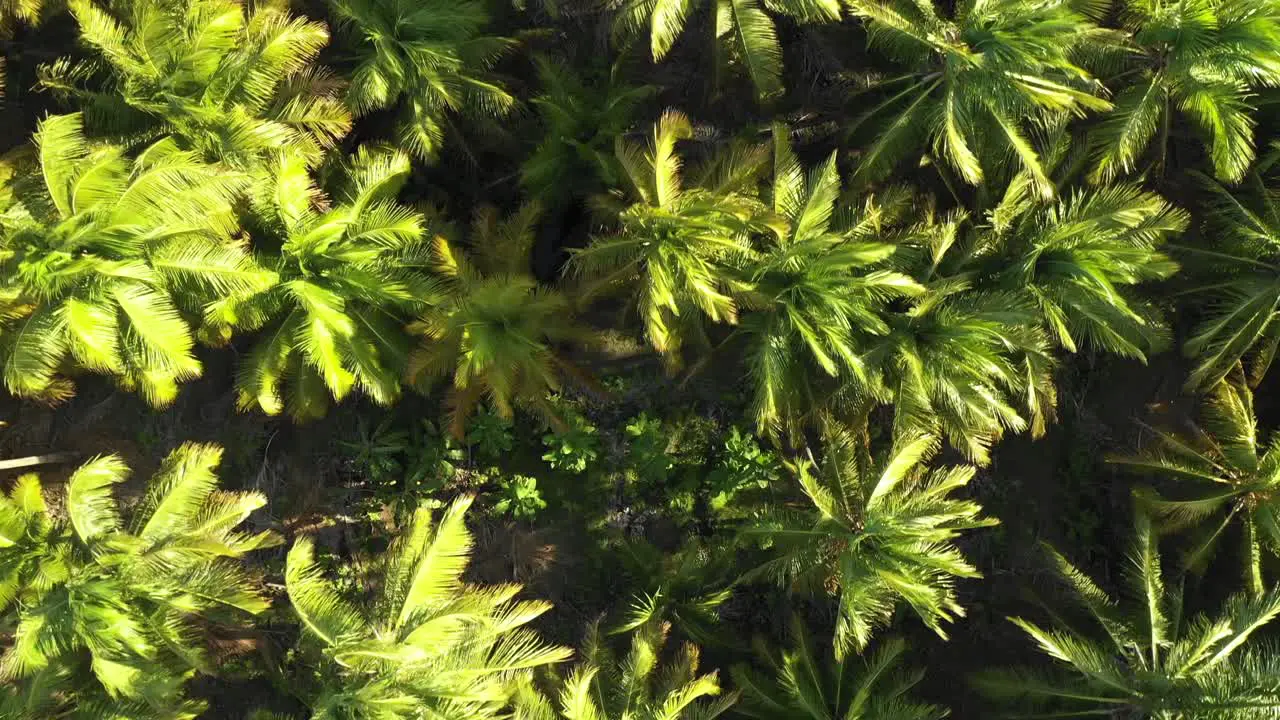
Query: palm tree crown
x=1078, y=257
x=1236, y=280
x=494, y=328
x=743, y=26
x=961, y=362
x=117, y=604
x=1201, y=58
x=977, y=83
x=231, y=83
x=677, y=242
x=581, y=115
x=428, y=643
x=100, y=256
x=1225, y=472
x=637, y=686
x=879, y=532
x=332, y=323
x=818, y=290
x=428, y=59
x=1151, y=662
x=800, y=685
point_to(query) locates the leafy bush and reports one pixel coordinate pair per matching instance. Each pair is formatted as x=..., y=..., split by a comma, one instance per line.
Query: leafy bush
x=573, y=449
x=519, y=498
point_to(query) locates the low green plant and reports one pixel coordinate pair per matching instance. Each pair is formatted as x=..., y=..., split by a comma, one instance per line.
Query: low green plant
x=432, y=461
x=519, y=498
x=376, y=451
x=574, y=448
x=743, y=467
x=489, y=434
x=647, y=449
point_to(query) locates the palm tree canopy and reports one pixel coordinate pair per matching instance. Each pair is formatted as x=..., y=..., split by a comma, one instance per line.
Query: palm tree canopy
x=427, y=642
x=963, y=362
x=232, y=83
x=347, y=281
x=675, y=242
x=1223, y=471
x=426, y=57
x=1201, y=58
x=1077, y=259
x=582, y=114
x=494, y=329
x=976, y=85
x=1234, y=279
x=1150, y=660
x=647, y=683
x=800, y=685
x=102, y=255
x=880, y=532
x=116, y=599
x=817, y=291
x=744, y=25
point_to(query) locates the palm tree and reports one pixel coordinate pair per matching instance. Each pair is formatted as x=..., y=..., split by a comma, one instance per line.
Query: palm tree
x=1202, y=59
x=678, y=243
x=1076, y=259
x=14, y=12
x=977, y=85
x=1225, y=473
x=743, y=27
x=427, y=60
x=101, y=257
x=428, y=644
x=1236, y=287
x=582, y=115
x=962, y=363
x=800, y=686
x=879, y=532
x=232, y=83
x=495, y=329
x=817, y=291
x=637, y=686
x=333, y=322
x=685, y=587
x=1151, y=661
x=113, y=608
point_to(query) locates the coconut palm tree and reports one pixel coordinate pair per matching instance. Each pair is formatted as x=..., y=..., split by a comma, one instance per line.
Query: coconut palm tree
x=977, y=86
x=107, y=607
x=1150, y=661
x=685, y=587
x=1199, y=61
x=880, y=531
x=960, y=362
x=1223, y=472
x=582, y=116
x=817, y=291
x=427, y=644
x=1077, y=259
x=640, y=685
x=233, y=83
x=742, y=28
x=1234, y=283
x=101, y=257
x=676, y=243
x=799, y=685
x=425, y=59
x=495, y=330
x=347, y=283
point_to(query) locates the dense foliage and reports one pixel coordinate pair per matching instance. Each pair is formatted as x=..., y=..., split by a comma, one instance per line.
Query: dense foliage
x=568, y=345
